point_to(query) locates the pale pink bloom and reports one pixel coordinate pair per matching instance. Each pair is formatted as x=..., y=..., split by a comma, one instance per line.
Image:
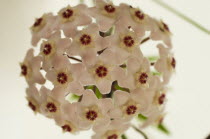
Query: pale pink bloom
x=30, y=68
x=126, y=105
x=105, y=14
x=93, y=111
x=55, y=45
x=69, y=18
x=68, y=119
x=145, y=97
x=125, y=42
x=154, y=117
x=166, y=64
x=134, y=19
x=50, y=105
x=102, y=72
x=33, y=97
x=159, y=97
x=113, y=131
x=65, y=75
x=42, y=28
x=87, y=42
x=161, y=32
x=138, y=73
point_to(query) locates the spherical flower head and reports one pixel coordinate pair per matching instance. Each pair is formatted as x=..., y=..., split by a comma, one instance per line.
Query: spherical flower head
x=94, y=69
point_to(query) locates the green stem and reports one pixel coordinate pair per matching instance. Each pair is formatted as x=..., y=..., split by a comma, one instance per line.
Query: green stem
x=141, y=132
x=184, y=17
x=82, y=1
x=124, y=136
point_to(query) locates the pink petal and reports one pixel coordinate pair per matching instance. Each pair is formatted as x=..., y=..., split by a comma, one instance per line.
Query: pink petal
x=108, y=57
x=133, y=64
x=74, y=49
x=69, y=29
x=76, y=88
x=121, y=97
x=116, y=113
x=89, y=57
x=104, y=86
x=29, y=55
x=77, y=69
x=60, y=62
x=119, y=74
x=106, y=104
x=89, y=98
x=101, y=124
x=51, y=75
x=59, y=94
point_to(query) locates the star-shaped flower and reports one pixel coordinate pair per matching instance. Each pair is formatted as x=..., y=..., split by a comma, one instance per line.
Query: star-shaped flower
x=54, y=46
x=69, y=18
x=30, y=68
x=161, y=32
x=42, y=28
x=166, y=64
x=93, y=111
x=64, y=75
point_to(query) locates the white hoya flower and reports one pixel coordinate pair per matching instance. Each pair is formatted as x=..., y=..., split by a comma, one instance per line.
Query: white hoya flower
x=95, y=55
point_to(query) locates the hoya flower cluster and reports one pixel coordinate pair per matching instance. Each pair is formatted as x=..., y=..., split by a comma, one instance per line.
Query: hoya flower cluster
x=111, y=78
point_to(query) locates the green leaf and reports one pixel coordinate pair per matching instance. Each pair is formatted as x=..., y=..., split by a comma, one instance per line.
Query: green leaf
x=75, y=97
x=163, y=129
x=160, y=127
x=108, y=33
x=117, y=87
x=124, y=136
x=95, y=90
x=72, y=98
x=98, y=93
x=156, y=73
x=142, y=117
x=153, y=58
x=89, y=87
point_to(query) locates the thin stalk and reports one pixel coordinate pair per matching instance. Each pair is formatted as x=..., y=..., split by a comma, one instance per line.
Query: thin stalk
x=141, y=132
x=145, y=40
x=74, y=58
x=181, y=15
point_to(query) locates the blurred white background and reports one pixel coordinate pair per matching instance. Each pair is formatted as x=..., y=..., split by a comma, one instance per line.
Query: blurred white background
x=188, y=109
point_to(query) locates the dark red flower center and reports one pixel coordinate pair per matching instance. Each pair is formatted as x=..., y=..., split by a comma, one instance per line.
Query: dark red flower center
x=32, y=106
x=62, y=78
x=47, y=49
x=38, y=22
x=67, y=13
x=91, y=115
x=143, y=78
x=128, y=41
x=101, y=71
x=161, y=99
x=85, y=39
x=114, y=136
x=66, y=128
x=51, y=107
x=24, y=70
x=131, y=109
x=109, y=8
x=139, y=15
x=173, y=63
